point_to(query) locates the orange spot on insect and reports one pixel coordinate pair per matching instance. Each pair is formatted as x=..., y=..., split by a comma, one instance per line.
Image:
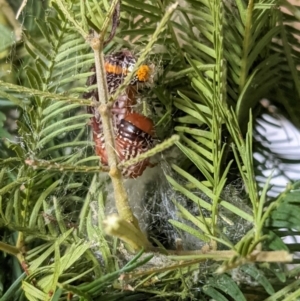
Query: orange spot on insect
x=143, y=73
x=115, y=69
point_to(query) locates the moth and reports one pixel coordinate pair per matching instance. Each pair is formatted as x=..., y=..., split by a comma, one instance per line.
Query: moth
x=134, y=133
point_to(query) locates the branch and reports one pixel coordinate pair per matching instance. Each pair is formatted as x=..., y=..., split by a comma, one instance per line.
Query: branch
x=115, y=174
x=153, y=151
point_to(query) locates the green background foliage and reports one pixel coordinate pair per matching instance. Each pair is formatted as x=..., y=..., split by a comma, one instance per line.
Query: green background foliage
x=214, y=61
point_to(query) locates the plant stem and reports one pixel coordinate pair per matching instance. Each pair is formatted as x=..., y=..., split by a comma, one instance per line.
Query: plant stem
x=9, y=249
x=153, y=151
x=127, y=232
x=66, y=12
x=33, y=92
x=108, y=19
x=121, y=197
x=246, y=43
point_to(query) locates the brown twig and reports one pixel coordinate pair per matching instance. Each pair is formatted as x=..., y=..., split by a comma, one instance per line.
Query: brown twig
x=121, y=197
x=115, y=23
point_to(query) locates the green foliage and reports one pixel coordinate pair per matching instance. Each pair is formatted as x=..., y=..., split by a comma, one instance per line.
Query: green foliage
x=282, y=221
x=214, y=60
x=3, y=131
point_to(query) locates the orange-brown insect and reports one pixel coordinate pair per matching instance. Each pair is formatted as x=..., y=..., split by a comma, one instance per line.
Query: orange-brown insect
x=133, y=131
x=135, y=137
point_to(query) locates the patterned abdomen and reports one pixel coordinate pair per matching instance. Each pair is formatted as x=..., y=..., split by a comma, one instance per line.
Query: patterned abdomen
x=135, y=137
x=121, y=107
x=98, y=136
